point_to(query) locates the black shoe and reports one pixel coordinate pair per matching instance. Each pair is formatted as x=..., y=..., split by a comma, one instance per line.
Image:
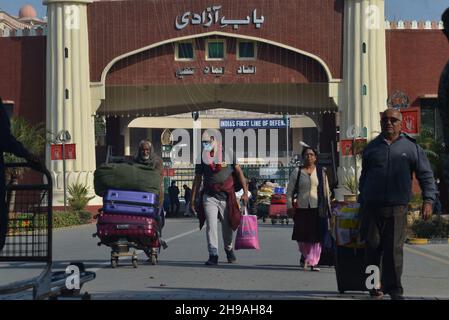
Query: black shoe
x=301, y=262
x=231, y=256
x=376, y=294
x=213, y=261
x=396, y=296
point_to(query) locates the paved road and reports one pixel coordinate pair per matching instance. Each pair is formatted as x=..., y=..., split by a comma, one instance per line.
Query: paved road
x=270, y=273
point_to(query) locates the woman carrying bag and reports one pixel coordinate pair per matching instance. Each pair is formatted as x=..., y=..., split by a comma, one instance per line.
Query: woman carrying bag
x=308, y=186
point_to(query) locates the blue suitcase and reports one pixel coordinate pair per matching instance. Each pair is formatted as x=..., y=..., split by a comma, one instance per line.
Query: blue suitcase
x=131, y=202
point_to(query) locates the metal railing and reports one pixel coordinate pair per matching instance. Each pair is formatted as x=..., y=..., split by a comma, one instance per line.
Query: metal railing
x=27, y=231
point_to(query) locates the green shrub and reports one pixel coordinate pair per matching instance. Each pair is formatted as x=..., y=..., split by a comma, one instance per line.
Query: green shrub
x=435, y=228
x=21, y=221
x=350, y=184
x=415, y=201
x=70, y=218
x=78, y=196
x=65, y=219
x=85, y=217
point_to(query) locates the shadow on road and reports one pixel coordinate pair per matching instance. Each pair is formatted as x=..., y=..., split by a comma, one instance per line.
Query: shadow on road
x=173, y=293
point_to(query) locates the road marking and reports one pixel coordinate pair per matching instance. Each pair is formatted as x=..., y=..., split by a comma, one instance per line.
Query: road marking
x=139, y=252
x=427, y=255
x=182, y=235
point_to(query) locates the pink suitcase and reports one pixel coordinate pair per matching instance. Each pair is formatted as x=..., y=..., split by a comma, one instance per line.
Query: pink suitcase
x=278, y=210
x=140, y=229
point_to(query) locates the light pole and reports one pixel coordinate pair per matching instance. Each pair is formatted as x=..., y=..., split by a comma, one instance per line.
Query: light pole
x=287, y=126
x=64, y=137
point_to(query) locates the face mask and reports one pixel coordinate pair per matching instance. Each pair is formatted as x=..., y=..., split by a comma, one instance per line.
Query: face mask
x=207, y=146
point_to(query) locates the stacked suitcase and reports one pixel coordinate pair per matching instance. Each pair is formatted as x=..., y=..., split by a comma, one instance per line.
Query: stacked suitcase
x=130, y=219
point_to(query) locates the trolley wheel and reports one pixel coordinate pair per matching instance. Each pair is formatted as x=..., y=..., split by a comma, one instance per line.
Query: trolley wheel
x=114, y=263
x=134, y=262
x=153, y=259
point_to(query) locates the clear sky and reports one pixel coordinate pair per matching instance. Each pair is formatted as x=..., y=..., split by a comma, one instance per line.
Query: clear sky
x=395, y=9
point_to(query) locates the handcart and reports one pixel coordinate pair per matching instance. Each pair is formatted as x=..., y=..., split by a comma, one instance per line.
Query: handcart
x=278, y=213
x=29, y=235
x=278, y=206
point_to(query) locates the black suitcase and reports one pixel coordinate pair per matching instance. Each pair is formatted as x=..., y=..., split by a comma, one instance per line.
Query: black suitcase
x=327, y=257
x=350, y=269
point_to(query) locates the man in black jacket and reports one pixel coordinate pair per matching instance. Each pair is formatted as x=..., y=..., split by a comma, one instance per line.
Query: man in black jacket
x=8, y=143
x=443, y=105
x=385, y=191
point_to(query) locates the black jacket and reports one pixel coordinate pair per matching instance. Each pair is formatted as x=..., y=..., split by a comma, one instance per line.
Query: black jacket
x=387, y=172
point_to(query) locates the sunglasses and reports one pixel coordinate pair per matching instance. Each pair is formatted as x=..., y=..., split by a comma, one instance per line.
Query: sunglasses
x=392, y=120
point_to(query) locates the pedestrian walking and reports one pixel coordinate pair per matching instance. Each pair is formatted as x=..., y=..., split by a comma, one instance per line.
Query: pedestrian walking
x=187, y=198
x=146, y=155
x=308, y=186
x=173, y=194
x=217, y=198
x=252, y=188
x=385, y=187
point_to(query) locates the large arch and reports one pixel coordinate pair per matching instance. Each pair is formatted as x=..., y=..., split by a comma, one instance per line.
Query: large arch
x=99, y=88
x=217, y=33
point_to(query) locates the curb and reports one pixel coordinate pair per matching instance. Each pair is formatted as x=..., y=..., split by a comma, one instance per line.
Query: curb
x=422, y=241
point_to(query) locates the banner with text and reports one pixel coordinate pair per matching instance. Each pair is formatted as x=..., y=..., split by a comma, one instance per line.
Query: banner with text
x=277, y=123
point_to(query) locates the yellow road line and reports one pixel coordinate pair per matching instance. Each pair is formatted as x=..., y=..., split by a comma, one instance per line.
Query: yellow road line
x=418, y=252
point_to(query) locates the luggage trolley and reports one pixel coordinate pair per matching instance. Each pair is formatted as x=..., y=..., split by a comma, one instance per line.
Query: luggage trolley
x=278, y=206
x=29, y=235
x=126, y=234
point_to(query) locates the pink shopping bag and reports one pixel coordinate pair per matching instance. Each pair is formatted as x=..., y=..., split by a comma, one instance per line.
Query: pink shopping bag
x=247, y=234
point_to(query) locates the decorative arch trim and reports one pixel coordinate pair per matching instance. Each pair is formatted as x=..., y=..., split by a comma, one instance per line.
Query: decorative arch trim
x=217, y=33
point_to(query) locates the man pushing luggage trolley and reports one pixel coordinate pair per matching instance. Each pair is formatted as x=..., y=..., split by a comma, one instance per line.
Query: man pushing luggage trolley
x=132, y=216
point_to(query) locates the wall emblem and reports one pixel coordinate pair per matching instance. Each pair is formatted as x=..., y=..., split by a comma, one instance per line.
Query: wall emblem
x=398, y=100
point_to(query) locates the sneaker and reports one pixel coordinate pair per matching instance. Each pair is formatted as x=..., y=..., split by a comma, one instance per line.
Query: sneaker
x=213, y=261
x=376, y=294
x=313, y=268
x=231, y=256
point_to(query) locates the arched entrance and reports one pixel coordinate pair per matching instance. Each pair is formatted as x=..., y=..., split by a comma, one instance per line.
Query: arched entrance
x=136, y=86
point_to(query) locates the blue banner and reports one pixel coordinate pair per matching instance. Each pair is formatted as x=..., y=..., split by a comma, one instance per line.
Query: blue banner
x=277, y=123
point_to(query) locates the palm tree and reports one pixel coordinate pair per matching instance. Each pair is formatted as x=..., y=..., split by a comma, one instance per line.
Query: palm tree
x=433, y=148
x=33, y=139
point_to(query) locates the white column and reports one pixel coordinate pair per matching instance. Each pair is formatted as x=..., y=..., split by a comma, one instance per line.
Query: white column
x=364, y=24
x=68, y=90
x=127, y=137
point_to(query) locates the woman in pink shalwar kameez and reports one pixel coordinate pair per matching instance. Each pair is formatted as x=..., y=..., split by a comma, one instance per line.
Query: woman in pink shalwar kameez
x=308, y=186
